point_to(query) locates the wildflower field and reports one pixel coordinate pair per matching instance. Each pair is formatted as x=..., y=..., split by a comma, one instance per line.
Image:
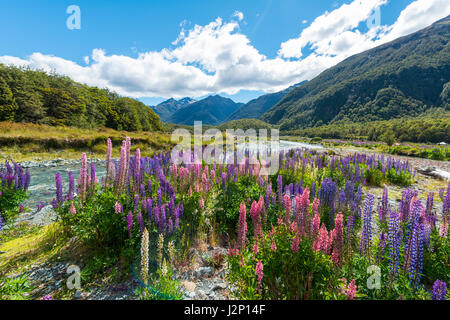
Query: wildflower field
x=309, y=231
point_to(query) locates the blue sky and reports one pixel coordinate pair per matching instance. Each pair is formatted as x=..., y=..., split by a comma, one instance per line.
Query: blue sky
x=256, y=46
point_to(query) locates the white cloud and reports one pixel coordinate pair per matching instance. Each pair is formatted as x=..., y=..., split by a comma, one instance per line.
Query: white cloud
x=239, y=15
x=217, y=58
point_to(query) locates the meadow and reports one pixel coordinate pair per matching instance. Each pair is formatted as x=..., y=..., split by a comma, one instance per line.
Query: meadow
x=312, y=230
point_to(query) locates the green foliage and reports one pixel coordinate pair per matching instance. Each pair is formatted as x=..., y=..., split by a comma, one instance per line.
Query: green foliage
x=304, y=274
x=17, y=288
x=434, y=127
x=437, y=259
x=9, y=203
x=37, y=97
x=230, y=199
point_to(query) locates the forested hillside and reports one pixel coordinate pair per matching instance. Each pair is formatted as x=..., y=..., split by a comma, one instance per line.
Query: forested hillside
x=38, y=97
x=403, y=78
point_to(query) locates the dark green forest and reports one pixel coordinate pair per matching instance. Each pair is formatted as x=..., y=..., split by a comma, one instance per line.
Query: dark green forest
x=434, y=127
x=38, y=97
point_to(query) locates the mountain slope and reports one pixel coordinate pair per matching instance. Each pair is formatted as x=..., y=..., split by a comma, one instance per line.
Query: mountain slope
x=256, y=107
x=405, y=77
x=167, y=108
x=38, y=97
x=212, y=110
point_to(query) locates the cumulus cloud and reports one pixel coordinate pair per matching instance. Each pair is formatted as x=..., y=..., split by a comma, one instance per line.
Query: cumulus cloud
x=217, y=58
x=239, y=15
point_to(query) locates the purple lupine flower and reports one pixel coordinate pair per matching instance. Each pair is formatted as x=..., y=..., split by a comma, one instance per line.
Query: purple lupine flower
x=21, y=208
x=366, y=235
x=268, y=193
x=129, y=222
x=384, y=206
x=141, y=222
x=162, y=218
x=1, y=222
x=149, y=187
x=40, y=205
x=59, y=197
x=71, y=186
x=430, y=216
x=156, y=216
x=159, y=196
x=349, y=229
x=170, y=226
x=416, y=258
x=439, y=290
x=149, y=209
x=280, y=188
x=93, y=175
x=136, y=202
x=394, y=243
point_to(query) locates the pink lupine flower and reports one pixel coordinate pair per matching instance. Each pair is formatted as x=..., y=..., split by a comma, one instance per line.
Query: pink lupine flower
x=443, y=229
x=202, y=203
x=190, y=192
x=84, y=176
x=175, y=171
x=351, y=290
x=322, y=241
x=259, y=272
x=256, y=219
x=287, y=206
x=72, y=209
x=293, y=226
x=255, y=247
x=338, y=238
x=315, y=206
x=273, y=247
x=315, y=225
x=118, y=207
x=242, y=227
x=295, y=243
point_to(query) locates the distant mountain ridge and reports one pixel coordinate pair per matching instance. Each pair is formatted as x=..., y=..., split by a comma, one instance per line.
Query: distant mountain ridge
x=257, y=107
x=212, y=110
x=405, y=77
x=167, y=108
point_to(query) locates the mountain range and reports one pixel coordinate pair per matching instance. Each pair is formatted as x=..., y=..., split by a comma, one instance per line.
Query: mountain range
x=405, y=77
x=212, y=110
x=167, y=108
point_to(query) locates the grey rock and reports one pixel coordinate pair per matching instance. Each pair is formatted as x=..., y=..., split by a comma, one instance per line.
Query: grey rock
x=204, y=272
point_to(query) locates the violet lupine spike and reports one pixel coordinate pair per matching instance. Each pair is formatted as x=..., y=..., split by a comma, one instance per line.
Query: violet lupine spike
x=141, y=222
x=439, y=290
x=70, y=194
x=393, y=244
x=366, y=236
x=129, y=222
x=59, y=197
